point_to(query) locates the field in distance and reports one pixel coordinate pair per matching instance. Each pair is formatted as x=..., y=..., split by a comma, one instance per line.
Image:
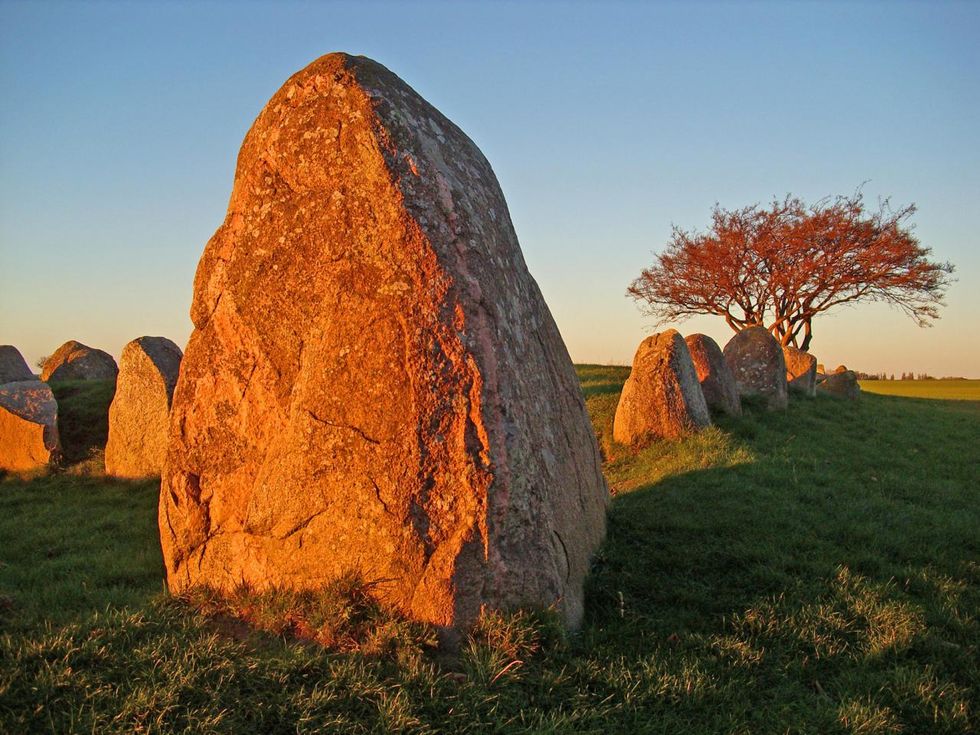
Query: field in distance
x=948, y=390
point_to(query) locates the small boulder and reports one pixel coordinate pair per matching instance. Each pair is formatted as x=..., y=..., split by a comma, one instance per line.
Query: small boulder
x=75, y=361
x=756, y=360
x=139, y=416
x=28, y=425
x=717, y=381
x=842, y=385
x=801, y=370
x=13, y=366
x=662, y=397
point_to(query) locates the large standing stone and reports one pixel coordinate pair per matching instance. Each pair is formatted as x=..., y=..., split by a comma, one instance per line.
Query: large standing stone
x=13, y=366
x=28, y=425
x=374, y=382
x=75, y=361
x=801, y=370
x=717, y=381
x=139, y=416
x=662, y=397
x=843, y=385
x=757, y=362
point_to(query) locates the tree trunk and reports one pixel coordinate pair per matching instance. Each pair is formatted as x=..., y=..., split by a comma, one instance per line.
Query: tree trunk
x=807, y=335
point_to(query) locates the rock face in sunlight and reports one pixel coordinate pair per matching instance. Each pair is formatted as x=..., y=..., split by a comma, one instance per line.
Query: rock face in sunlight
x=28, y=425
x=841, y=384
x=757, y=362
x=374, y=382
x=13, y=366
x=75, y=361
x=662, y=397
x=139, y=416
x=801, y=370
x=717, y=381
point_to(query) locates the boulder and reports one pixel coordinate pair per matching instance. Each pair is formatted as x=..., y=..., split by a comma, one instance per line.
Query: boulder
x=28, y=425
x=139, y=415
x=839, y=369
x=75, y=361
x=13, y=366
x=374, y=383
x=756, y=360
x=842, y=385
x=717, y=381
x=801, y=370
x=662, y=397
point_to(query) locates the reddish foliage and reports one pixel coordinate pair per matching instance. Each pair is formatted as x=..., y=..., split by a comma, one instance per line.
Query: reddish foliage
x=781, y=266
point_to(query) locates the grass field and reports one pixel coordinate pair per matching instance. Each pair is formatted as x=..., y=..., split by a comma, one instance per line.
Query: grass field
x=950, y=390
x=810, y=571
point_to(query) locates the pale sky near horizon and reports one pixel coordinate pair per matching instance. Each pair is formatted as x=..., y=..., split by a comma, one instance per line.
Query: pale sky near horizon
x=605, y=124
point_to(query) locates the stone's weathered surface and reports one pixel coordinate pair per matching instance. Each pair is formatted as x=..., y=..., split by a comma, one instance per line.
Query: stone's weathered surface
x=139, y=416
x=756, y=360
x=75, y=361
x=28, y=425
x=717, y=381
x=374, y=382
x=801, y=370
x=843, y=385
x=13, y=366
x=662, y=397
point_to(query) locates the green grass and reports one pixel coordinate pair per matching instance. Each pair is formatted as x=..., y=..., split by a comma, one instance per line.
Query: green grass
x=83, y=415
x=811, y=571
x=955, y=390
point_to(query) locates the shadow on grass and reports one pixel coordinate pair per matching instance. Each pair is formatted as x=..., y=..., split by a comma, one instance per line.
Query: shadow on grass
x=839, y=566
x=83, y=415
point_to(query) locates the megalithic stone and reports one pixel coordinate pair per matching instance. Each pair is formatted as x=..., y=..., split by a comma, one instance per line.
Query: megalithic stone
x=139, y=417
x=374, y=382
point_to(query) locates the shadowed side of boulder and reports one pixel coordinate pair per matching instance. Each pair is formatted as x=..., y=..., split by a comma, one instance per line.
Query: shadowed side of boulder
x=717, y=381
x=374, y=382
x=139, y=415
x=662, y=397
x=756, y=360
x=842, y=385
x=13, y=366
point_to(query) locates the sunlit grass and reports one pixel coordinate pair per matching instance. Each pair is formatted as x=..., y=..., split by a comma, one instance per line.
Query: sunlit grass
x=810, y=571
x=955, y=390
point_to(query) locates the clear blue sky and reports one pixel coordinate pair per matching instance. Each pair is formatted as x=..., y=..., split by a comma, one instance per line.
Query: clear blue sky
x=605, y=123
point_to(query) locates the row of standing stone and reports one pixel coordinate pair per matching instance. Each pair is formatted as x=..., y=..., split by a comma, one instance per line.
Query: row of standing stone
x=675, y=382
x=138, y=415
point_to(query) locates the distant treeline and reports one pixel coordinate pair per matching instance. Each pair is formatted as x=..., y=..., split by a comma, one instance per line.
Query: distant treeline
x=903, y=376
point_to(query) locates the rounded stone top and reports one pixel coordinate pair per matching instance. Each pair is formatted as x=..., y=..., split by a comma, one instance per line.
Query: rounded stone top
x=76, y=361
x=13, y=366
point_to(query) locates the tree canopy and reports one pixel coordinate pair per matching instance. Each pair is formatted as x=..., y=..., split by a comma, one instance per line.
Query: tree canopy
x=782, y=265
